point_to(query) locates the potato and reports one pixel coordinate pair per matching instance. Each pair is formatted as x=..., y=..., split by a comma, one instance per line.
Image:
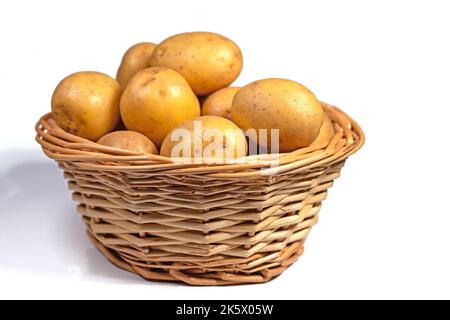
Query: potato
x=155, y=101
x=207, y=60
x=279, y=104
x=86, y=104
x=207, y=137
x=219, y=103
x=129, y=140
x=326, y=131
x=135, y=59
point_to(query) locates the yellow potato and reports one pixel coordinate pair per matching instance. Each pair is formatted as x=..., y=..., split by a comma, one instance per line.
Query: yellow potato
x=279, y=104
x=155, y=101
x=207, y=60
x=218, y=138
x=129, y=140
x=135, y=59
x=219, y=103
x=326, y=131
x=87, y=104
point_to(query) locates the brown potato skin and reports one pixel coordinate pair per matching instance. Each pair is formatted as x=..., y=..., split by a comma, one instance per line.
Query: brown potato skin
x=155, y=101
x=208, y=122
x=207, y=60
x=86, y=104
x=326, y=131
x=129, y=140
x=135, y=59
x=279, y=104
x=219, y=103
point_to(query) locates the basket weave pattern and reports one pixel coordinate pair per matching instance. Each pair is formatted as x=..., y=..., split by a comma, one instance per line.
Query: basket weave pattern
x=200, y=224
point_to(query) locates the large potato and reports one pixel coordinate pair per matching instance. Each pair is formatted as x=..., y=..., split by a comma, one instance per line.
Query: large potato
x=135, y=59
x=279, y=104
x=129, y=140
x=326, y=131
x=207, y=60
x=219, y=103
x=155, y=101
x=87, y=104
x=217, y=138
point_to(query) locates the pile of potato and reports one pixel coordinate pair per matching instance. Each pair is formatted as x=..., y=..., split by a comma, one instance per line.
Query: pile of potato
x=158, y=89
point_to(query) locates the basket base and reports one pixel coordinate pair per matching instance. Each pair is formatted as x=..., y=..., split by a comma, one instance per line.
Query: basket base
x=198, y=277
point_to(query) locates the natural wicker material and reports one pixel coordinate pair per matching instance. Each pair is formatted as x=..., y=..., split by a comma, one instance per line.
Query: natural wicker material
x=200, y=224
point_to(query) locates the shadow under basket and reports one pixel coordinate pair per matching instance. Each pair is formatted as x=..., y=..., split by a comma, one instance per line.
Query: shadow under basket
x=219, y=224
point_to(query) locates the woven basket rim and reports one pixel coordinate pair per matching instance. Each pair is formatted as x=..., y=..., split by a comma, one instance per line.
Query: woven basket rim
x=63, y=146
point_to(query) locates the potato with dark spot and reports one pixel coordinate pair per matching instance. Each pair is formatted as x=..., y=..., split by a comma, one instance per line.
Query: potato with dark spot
x=155, y=101
x=279, y=104
x=219, y=103
x=326, y=131
x=135, y=59
x=129, y=140
x=87, y=104
x=207, y=60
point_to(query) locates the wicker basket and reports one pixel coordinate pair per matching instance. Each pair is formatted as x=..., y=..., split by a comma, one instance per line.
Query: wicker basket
x=199, y=224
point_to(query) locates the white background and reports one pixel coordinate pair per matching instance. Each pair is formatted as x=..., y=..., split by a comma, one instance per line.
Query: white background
x=384, y=230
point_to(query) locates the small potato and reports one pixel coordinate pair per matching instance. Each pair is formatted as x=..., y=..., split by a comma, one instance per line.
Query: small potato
x=155, y=101
x=279, y=104
x=207, y=60
x=219, y=103
x=206, y=137
x=86, y=104
x=326, y=131
x=135, y=59
x=129, y=140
